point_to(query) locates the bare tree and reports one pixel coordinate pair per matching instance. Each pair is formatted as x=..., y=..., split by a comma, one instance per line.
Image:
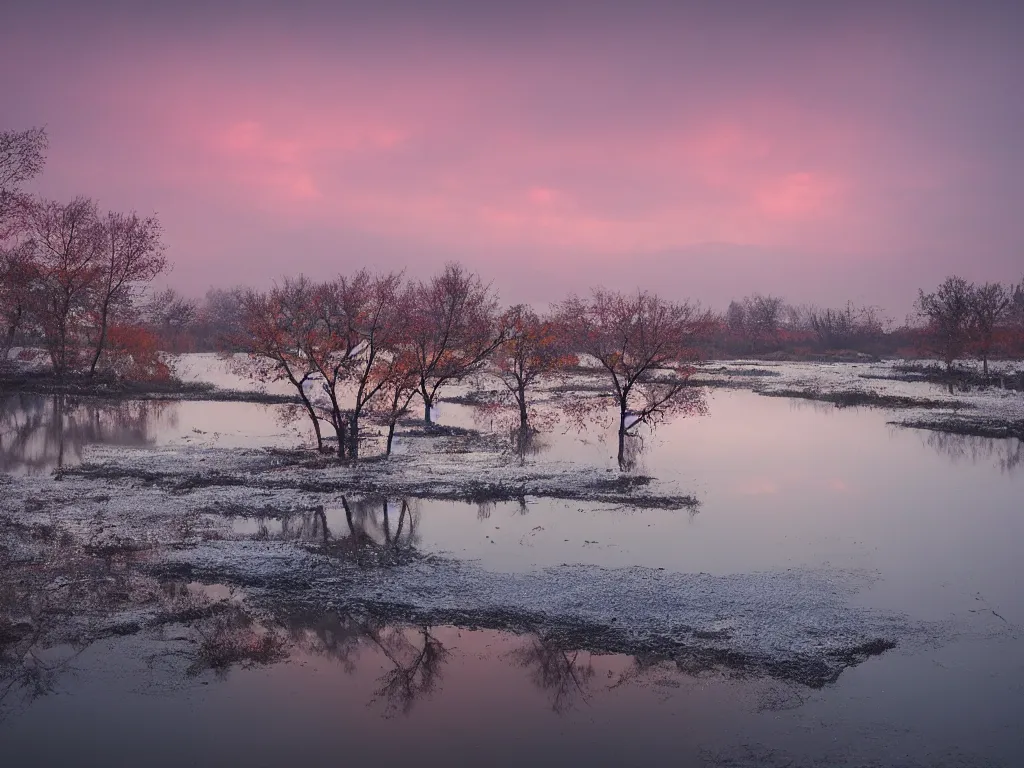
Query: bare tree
x=535, y=347
x=22, y=156
x=452, y=329
x=369, y=304
x=990, y=304
x=66, y=243
x=1017, y=305
x=132, y=253
x=646, y=345
x=276, y=329
x=18, y=281
x=219, y=318
x=736, y=318
x=763, y=318
x=170, y=316
x=947, y=314
x=846, y=327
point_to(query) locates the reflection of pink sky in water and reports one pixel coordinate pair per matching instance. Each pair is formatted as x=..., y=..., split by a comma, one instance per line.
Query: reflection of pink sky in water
x=782, y=485
x=487, y=708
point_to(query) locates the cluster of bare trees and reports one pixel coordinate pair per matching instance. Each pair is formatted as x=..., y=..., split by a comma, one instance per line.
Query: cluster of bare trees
x=366, y=345
x=765, y=323
x=963, y=319
x=956, y=321
x=70, y=275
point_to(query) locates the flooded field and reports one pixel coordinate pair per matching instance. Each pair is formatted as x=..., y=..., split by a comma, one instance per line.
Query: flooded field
x=779, y=582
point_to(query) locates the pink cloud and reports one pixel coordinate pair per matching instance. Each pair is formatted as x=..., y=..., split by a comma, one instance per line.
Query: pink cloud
x=549, y=152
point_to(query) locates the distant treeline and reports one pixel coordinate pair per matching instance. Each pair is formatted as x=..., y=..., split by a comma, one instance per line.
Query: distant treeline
x=957, y=321
x=976, y=322
x=76, y=282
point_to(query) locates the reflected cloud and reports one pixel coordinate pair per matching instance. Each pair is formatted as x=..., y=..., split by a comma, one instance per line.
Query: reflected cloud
x=759, y=487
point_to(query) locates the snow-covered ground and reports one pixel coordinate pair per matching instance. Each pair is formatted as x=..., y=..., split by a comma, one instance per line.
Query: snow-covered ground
x=882, y=379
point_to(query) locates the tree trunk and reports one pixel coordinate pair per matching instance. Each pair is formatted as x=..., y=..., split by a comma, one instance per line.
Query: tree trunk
x=622, y=434
x=391, y=437
x=984, y=365
x=340, y=433
x=12, y=330
x=353, y=437
x=427, y=407
x=58, y=410
x=100, y=342
x=523, y=418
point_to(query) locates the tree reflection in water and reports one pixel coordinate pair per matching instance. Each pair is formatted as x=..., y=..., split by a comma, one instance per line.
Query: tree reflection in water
x=39, y=433
x=416, y=656
x=564, y=675
x=55, y=596
x=630, y=452
x=61, y=591
x=527, y=442
x=1005, y=453
x=372, y=523
x=417, y=663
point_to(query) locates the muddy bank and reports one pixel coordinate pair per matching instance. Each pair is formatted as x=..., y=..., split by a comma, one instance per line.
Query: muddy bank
x=968, y=426
x=961, y=378
x=977, y=406
x=451, y=469
x=857, y=399
x=118, y=389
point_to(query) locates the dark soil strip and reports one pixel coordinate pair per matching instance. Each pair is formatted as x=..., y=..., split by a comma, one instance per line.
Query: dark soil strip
x=854, y=399
x=173, y=389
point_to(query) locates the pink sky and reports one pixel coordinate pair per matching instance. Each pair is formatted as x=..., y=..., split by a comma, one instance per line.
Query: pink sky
x=810, y=153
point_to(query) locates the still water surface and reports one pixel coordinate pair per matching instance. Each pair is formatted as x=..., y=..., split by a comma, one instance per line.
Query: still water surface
x=936, y=521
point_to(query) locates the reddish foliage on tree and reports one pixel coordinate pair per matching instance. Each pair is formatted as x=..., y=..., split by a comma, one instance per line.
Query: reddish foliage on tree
x=452, y=329
x=947, y=314
x=400, y=384
x=368, y=306
x=134, y=354
x=131, y=253
x=646, y=345
x=535, y=347
x=276, y=327
x=990, y=305
x=65, y=242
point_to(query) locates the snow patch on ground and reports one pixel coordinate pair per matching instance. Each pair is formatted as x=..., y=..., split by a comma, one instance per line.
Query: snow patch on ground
x=794, y=624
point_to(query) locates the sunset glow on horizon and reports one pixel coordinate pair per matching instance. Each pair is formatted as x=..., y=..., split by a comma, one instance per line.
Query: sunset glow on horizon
x=823, y=156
